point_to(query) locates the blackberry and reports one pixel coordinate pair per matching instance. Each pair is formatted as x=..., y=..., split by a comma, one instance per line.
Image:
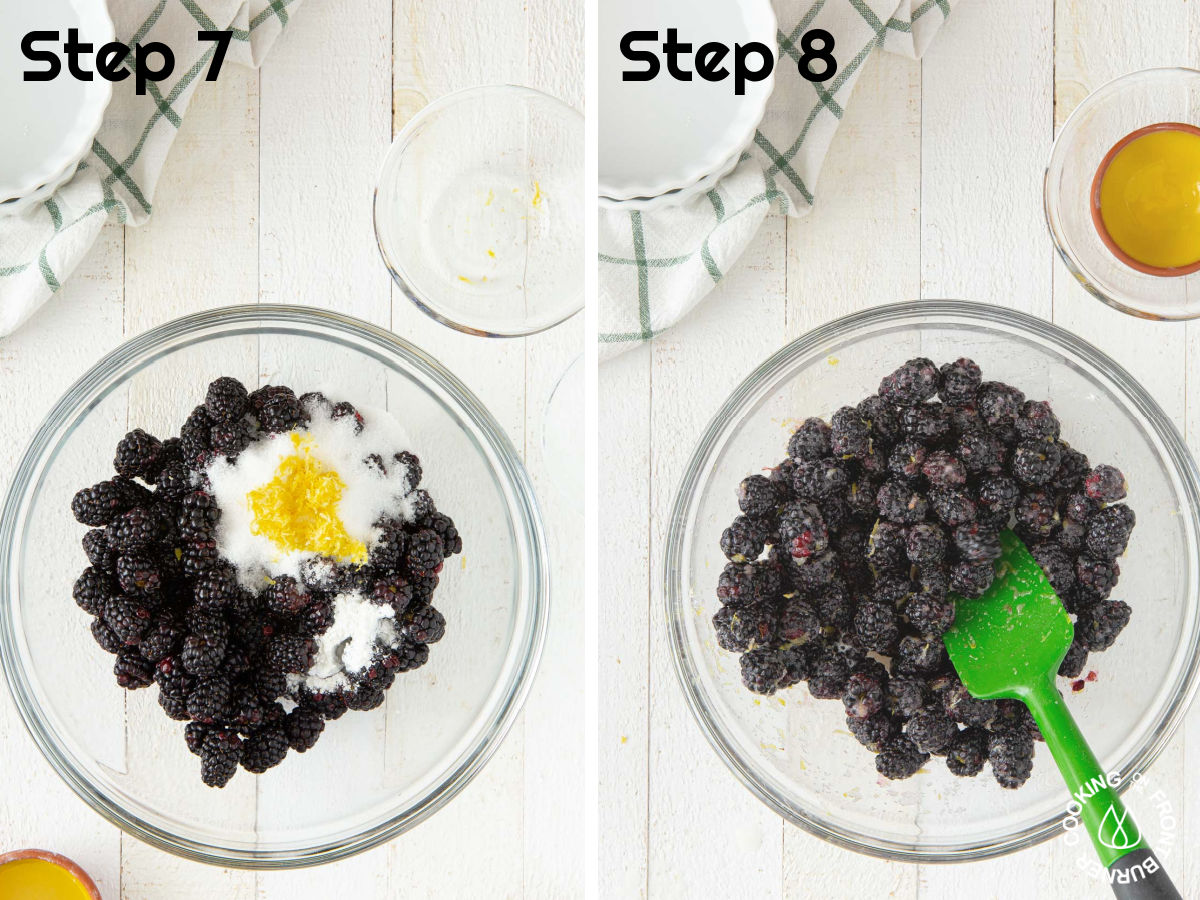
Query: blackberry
x=1035, y=463
x=1037, y=422
x=193, y=434
x=927, y=423
x=898, y=502
x=92, y=590
x=289, y=654
x=816, y=479
x=100, y=504
x=892, y=589
x=1100, y=624
x=972, y=579
x=931, y=730
x=834, y=609
x=900, y=759
x=1108, y=531
x=173, y=481
x=420, y=504
x=798, y=662
x=138, y=574
x=933, y=582
x=444, y=526
x=863, y=695
x=1071, y=471
x=412, y=467
x=1105, y=484
x=802, y=530
x=761, y=670
x=410, y=656
x=915, y=381
x=388, y=552
x=888, y=545
x=811, y=441
x=944, y=470
x=919, y=656
x=216, y=769
x=175, y=707
x=1011, y=756
x=226, y=400
x=135, y=530
x=347, y=411
x=980, y=452
x=128, y=620
x=199, y=515
x=137, y=454
x=906, y=695
x=315, y=401
x=284, y=596
x=277, y=409
x=423, y=625
x=882, y=419
x=264, y=749
x=1036, y=515
x=977, y=543
x=105, y=637
x=830, y=672
x=216, y=589
x=228, y=439
x=999, y=404
x=194, y=734
x=997, y=497
x=876, y=626
x=906, y=460
x=925, y=544
x=752, y=625
x=99, y=553
x=394, y=591
x=757, y=496
x=962, y=707
x=1096, y=577
x=209, y=699
x=952, y=507
x=1080, y=507
x=960, y=381
x=303, y=726
x=269, y=684
x=132, y=670
x=198, y=557
x=798, y=622
x=1076, y=658
x=967, y=752
x=425, y=551
x=366, y=697
x=203, y=653
x=161, y=639
x=1057, y=564
x=873, y=731
x=1071, y=536
x=741, y=541
x=850, y=435
x=929, y=616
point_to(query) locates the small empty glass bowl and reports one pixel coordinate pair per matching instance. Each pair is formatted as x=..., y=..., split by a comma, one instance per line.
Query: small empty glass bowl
x=795, y=752
x=479, y=211
x=373, y=774
x=1105, y=116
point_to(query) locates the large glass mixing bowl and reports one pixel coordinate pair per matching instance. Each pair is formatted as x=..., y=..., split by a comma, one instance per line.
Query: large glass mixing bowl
x=797, y=756
x=374, y=774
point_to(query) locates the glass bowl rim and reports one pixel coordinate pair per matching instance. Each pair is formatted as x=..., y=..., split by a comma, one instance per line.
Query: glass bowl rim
x=528, y=527
x=396, y=151
x=1050, y=207
x=680, y=522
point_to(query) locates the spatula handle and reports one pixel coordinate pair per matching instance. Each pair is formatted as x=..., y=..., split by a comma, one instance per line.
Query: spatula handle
x=1136, y=872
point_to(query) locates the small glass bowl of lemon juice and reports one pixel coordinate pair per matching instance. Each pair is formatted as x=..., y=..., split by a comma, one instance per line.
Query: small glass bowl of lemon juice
x=1122, y=193
x=479, y=211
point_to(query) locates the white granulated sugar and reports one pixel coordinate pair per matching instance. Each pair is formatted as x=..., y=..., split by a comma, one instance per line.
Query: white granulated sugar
x=369, y=495
x=359, y=628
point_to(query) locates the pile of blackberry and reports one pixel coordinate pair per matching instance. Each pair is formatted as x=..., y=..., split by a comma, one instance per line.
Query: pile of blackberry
x=842, y=562
x=171, y=610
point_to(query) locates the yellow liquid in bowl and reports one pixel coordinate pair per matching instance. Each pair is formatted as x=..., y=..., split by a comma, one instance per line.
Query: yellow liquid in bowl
x=37, y=879
x=1149, y=198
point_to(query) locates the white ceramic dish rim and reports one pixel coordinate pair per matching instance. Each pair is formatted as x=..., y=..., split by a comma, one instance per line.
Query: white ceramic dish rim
x=763, y=28
x=95, y=26
x=675, y=198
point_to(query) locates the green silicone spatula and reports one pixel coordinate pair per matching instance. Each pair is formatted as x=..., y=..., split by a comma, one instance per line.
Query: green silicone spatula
x=1009, y=643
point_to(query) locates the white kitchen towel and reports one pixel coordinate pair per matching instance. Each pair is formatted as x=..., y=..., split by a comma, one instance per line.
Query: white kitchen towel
x=41, y=248
x=656, y=266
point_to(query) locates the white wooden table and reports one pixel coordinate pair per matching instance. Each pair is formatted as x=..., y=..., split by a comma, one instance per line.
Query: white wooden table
x=297, y=146
x=932, y=189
